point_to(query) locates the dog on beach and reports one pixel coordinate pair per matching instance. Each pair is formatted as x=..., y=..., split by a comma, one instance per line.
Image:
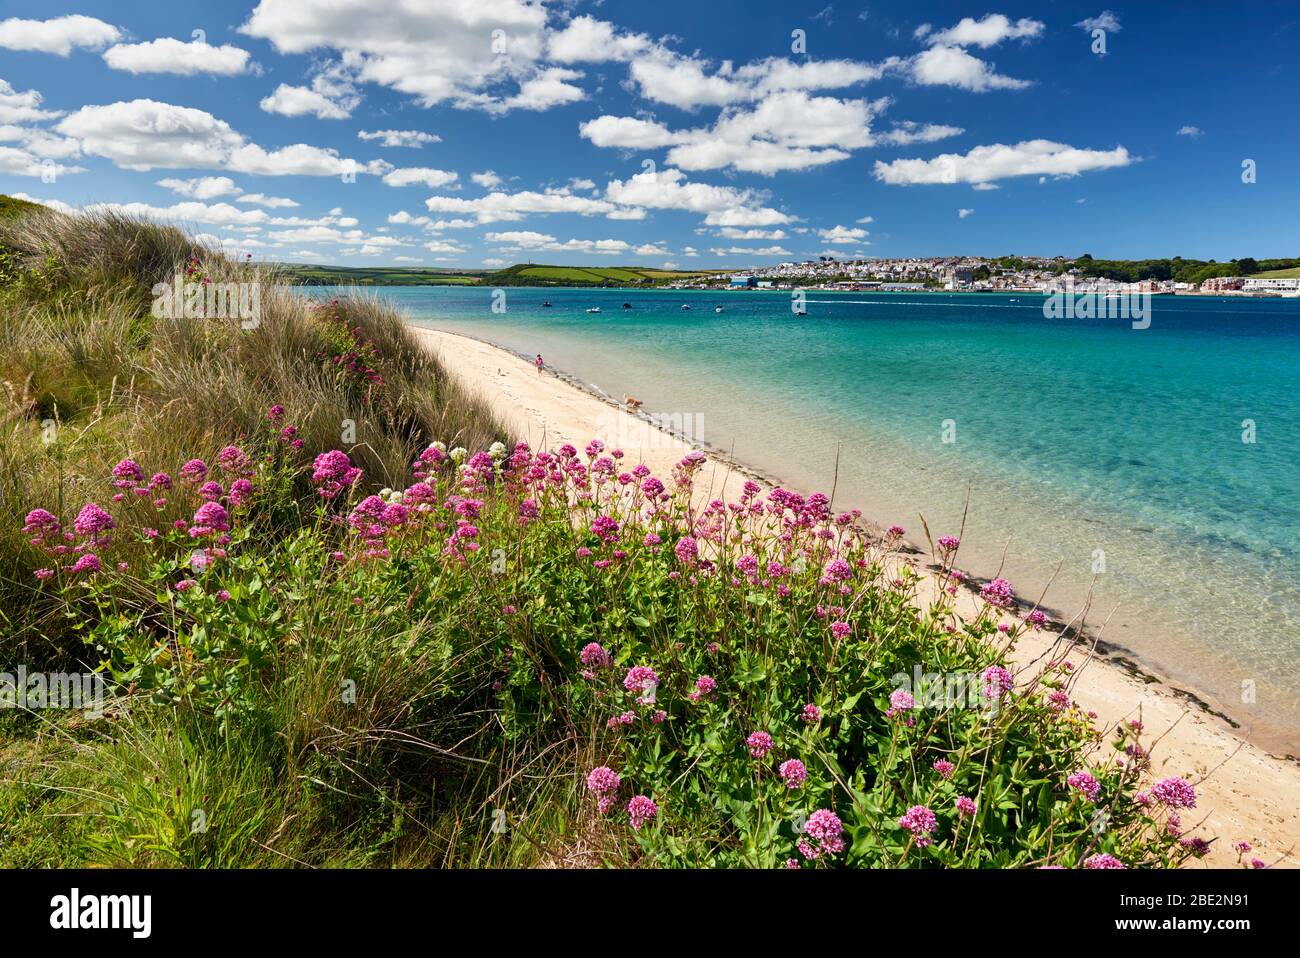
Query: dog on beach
x=631, y=402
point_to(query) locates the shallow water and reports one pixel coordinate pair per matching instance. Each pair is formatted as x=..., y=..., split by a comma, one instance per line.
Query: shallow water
x=1078, y=441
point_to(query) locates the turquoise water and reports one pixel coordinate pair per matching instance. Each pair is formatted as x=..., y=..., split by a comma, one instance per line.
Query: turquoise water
x=1071, y=436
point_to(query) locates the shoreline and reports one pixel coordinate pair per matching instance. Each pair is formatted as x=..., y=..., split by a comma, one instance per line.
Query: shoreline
x=1253, y=794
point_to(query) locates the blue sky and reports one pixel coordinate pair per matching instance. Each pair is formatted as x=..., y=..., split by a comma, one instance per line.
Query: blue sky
x=695, y=134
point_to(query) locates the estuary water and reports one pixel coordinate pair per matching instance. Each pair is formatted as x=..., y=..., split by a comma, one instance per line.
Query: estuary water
x=1156, y=470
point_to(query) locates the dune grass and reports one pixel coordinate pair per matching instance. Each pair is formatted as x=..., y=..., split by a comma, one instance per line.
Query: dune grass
x=341, y=624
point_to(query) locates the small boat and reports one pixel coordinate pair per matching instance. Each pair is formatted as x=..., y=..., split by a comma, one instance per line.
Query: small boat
x=685, y=307
x=627, y=305
x=717, y=309
x=801, y=312
x=546, y=302
x=594, y=309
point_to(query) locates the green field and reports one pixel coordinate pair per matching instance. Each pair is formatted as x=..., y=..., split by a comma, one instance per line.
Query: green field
x=314, y=275
x=1293, y=273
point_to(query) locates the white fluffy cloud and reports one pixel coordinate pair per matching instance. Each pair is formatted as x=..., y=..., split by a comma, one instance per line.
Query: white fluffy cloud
x=499, y=206
x=789, y=130
x=1192, y=131
x=487, y=179
x=147, y=134
x=989, y=31
x=20, y=162
x=963, y=213
x=22, y=107
x=434, y=179
x=270, y=202
x=1103, y=21
x=216, y=214
x=399, y=138
x=670, y=190
x=529, y=240
x=201, y=187
x=471, y=54
x=302, y=101
x=953, y=66
x=842, y=235
x=1000, y=161
x=167, y=55
x=58, y=36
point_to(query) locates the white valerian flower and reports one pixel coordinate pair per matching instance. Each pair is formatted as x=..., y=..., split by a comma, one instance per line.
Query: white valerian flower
x=458, y=454
x=440, y=446
x=497, y=450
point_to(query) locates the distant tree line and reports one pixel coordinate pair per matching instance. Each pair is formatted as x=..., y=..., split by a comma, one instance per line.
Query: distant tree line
x=1177, y=269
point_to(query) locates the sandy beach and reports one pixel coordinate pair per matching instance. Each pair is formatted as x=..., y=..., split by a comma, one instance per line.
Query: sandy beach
x=1244, y=792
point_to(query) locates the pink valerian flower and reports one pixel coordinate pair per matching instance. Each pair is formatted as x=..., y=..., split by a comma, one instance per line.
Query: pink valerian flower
x=705, y=686
x=234, y=461
x=594, y=656
x=1058, y=700
x=921, y=822
x=1257, y=863
x=658, y=717
x=603, y=782
x=333, y=472
x=1175, y=793
x=651, y=540
x=41, y=526
x=640, y=810
x=642, y=679
x=900, y=700
x=793, y=773
x=211, y=490
x=1103, y=861
x=964, y=805
x=760, y=743
x=687, y=551
x=127, y=473
x=998, y=682
x=812, y=714
x=1199, y=847
x=837, y=570
x=185, y=585
x=998, y=593
x=605, y=528
x=92, y=522
x=943, y=767
x=89, y=562
x=841, y=629
x=1241, y=847
x=194, y=471
x=792, y=863
x=210, y=518
x=896, y=532
x=241, y=490
x=275, y=413
x=223, y=595
x=948, y=543
x=160, y=480
x=1084, y=783
x=824, y=827
x=1037, y=618
x=43, y=574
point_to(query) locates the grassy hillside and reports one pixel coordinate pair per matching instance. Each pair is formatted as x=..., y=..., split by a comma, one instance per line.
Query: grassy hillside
x=338, y=625
x=11, y=207
x=524, y=274
x=309, y=275
x=1292, y=273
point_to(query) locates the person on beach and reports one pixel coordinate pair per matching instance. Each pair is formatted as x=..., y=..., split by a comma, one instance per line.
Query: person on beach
x=538, y=363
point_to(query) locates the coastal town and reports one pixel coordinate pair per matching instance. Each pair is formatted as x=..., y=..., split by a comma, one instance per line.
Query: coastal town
x=1030, y=274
